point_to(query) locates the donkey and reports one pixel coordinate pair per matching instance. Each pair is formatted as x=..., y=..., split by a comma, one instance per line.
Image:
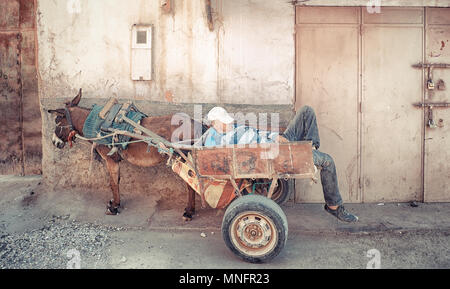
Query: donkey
x=70, y=120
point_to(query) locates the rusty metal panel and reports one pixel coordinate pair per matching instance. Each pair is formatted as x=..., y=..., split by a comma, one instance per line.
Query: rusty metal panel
x=290, y=160
x=17, y=14
x=437, y=140
x=391, y=127
x=214, y=162
x=24, y=118
x=252, y=162
x=27, y=14
x=31, y=118
x=9, y=16
x=327, y=79
x=11, y=154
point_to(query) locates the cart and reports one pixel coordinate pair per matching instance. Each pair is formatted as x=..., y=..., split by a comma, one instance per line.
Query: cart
x=254, y=226
x=250, y=181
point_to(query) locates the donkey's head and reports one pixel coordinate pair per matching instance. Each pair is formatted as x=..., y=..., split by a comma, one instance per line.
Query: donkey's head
x=64, y=126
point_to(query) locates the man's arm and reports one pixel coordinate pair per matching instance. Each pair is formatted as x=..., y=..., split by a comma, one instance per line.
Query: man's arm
x=267, y=136
x=203, y=140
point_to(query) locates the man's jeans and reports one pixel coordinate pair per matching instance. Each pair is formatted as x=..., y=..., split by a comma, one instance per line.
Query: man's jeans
x=304, y=127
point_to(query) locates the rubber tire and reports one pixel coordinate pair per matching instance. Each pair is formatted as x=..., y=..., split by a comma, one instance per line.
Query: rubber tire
x=262, y=205
x=284, y=197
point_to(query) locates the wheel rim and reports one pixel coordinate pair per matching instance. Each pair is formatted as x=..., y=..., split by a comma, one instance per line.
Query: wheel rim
x=253, y=234
x=263, y=191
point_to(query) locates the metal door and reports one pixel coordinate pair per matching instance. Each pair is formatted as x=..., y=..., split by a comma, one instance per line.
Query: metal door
x=437, y=133
x=20, y=114
x=391, y=127
x=354, y=69
x=11, y=153
x=327, y=79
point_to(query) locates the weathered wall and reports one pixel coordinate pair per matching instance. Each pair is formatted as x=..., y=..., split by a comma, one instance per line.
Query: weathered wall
x=87, y=45
x=256, y=52
x=244, y=60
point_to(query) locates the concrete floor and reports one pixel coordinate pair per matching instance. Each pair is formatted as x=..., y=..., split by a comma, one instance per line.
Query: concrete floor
x=151, y=235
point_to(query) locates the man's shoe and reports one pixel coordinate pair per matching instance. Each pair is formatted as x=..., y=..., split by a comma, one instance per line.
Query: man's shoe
x=342, y=214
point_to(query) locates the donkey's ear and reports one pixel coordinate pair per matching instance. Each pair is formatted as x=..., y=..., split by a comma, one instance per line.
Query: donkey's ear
x=76, y=100
x=59, y=111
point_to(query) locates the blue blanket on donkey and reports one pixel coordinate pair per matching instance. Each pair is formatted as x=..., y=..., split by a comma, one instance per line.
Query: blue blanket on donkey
x=91, y=128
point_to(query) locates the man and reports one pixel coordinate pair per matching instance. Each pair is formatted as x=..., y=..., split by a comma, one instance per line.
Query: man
x=303, y=126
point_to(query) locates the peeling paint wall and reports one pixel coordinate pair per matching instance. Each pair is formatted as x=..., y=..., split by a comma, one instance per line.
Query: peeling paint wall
x=86, y=44
x=256, y=52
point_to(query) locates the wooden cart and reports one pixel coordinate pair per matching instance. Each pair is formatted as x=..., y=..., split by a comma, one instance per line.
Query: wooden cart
x=251, y=181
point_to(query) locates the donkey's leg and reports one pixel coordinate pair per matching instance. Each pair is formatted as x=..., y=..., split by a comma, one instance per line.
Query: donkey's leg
x=114, y=180
x=189, y=211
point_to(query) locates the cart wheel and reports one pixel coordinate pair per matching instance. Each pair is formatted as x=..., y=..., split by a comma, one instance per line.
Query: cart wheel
x=280, y=194
x=255, y=228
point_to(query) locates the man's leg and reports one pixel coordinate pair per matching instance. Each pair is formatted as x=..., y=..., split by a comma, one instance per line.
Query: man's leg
x=328, y=177
x=303, y=127
x=330, y=187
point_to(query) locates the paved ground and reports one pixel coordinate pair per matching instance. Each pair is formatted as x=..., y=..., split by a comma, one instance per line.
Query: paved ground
x=42, y=229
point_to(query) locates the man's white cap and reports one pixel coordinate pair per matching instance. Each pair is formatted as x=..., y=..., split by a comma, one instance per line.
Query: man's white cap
x=220, y=114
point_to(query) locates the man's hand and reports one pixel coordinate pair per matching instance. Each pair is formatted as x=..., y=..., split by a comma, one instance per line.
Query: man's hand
x=281, y=139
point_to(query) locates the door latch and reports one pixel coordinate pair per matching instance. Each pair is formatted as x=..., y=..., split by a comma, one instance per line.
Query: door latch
x=431, y=123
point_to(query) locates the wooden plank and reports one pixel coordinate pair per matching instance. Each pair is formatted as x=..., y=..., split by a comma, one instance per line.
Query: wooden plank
x=213, y=161
x=249, y=163
x=287, y=160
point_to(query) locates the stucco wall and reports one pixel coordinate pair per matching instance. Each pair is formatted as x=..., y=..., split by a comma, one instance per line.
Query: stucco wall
x=86, y=44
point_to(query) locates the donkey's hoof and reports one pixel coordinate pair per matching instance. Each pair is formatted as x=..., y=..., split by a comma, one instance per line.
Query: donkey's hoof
x=112, y=211
x=187, y=216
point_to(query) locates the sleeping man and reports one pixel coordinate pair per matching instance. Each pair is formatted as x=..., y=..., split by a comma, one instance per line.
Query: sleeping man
x=303, y=126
